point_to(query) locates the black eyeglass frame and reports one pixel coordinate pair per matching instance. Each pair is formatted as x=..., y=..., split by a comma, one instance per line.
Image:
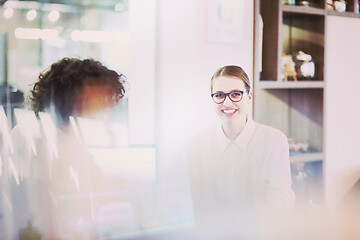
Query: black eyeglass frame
x=228, y=95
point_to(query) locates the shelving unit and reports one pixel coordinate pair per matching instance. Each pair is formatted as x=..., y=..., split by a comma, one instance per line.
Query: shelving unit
x=296, y=105
x=352, y=10
x=290, y=84
x=306, y=157
x=303, y=9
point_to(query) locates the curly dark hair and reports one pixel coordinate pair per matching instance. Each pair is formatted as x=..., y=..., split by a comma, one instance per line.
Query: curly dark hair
x=59, y=86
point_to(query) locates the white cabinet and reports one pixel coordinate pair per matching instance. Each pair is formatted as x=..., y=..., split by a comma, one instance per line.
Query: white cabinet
x=342, y=107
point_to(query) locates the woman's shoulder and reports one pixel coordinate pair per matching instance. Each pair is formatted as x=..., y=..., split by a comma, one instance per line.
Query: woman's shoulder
x=269, y=132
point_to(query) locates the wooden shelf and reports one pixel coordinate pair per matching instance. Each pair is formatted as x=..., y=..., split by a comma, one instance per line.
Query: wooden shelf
x=306, y=157
x=343, y=14
x=302, y=10
x=290, y=84
x=294, y=107
x=303, y=32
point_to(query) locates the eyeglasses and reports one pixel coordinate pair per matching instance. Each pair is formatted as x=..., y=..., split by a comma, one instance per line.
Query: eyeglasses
x=234, y=96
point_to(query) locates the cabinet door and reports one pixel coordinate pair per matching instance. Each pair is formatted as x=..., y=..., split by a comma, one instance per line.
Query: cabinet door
x=342, y=110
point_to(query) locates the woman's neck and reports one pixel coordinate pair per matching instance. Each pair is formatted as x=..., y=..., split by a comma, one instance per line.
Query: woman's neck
x=232, y=130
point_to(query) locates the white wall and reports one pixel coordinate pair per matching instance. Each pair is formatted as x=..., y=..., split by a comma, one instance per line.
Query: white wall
x=142, y=18
x=186, y=62
x=342, y=111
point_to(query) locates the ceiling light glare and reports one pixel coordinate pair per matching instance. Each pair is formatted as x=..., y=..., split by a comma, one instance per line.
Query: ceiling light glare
x=53, y=16
x=119, y=7
x=28, y=33
x=91, y=36
x=36, y=33
x=8, y=13
x=31, y=15
x=76, y=35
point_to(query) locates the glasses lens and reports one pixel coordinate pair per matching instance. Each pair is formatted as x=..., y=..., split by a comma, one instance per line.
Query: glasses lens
x=235, y=96
x=218, y=97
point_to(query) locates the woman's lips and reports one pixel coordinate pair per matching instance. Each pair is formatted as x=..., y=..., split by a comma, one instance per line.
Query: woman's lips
x=229, y=112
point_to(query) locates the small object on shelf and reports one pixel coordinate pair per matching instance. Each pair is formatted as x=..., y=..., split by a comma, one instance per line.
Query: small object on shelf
x=308, y=3
x=357, y=8
x=297, y=66
x=330, y=5
x=288, y=67
x=289, y=2
x=304, y=3
x=300, y=172
x=340, y=6
x=297, y=147
x=303, y=147
x=304, y=66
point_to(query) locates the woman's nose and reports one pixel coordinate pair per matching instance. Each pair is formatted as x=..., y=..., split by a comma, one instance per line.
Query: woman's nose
x=227, y=100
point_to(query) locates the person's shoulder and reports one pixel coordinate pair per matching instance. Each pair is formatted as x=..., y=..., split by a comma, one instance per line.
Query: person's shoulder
x=269, y=131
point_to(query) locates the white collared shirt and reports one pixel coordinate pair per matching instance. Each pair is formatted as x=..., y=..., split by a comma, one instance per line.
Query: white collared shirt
x=232, y=175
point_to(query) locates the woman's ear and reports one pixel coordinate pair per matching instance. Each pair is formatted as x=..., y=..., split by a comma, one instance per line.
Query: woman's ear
x=249, y=98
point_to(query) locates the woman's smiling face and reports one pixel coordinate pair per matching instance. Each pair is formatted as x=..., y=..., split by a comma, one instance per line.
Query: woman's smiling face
x=231, y=112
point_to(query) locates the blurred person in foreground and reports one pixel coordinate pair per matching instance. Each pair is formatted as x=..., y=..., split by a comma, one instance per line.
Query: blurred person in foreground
x=61, y=169
x=239, y=170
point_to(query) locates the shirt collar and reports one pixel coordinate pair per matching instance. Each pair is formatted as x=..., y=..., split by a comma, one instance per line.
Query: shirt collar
x=242, y=140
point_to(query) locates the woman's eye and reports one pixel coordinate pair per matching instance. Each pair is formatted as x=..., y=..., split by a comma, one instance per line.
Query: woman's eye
x=236, y=94
x=219, y=95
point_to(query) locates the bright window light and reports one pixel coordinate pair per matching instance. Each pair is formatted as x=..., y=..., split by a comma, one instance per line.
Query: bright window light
x=75, y=128
x=36, y=33
x=94, y=132
x=4, y=128
x=54, y=16
x=132, y=163
x=14, y=171
x=8, y=13
x=58, y=42
x=49, y=34
x=76, y=35
x=50, y=133
x=99, y=36
x=31, y=15
x=91, y=36
x=75, y=177
x=29, y=126
x=123, y=37
x=120, y=132
x=28, y=33
x=119, y=7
